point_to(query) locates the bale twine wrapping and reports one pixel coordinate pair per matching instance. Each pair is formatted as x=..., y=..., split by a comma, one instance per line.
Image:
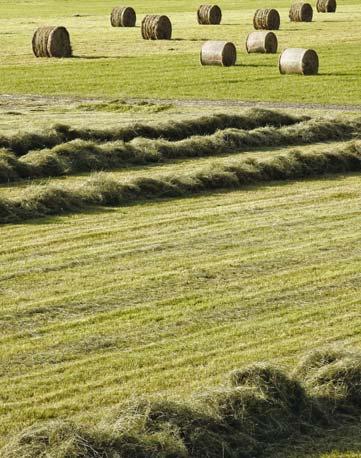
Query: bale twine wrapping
x=123, y=16
x=326, y=6
x=218, y=53
x=209, y=14
x=262, y=41
x=50, y=41
x=301, y=12
x=156, y=27
x=299, y=61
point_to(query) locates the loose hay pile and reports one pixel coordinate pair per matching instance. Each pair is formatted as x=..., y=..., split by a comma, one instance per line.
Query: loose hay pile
x=123, y=17
x=209, y=14
x=299, y=61
x=301, y=12
x=218, y=53
x=326, y=6
x=262, y=41
x=156, y=27
x=268, y=19
x=51, y=41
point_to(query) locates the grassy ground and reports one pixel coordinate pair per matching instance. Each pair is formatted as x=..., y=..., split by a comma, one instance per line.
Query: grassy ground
x=99, y=307
x=166, y=298
x=118, y=63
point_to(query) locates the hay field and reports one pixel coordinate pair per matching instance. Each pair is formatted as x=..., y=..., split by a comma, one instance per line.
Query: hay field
x=118, y=62
x=149, y=248
x=164, y=297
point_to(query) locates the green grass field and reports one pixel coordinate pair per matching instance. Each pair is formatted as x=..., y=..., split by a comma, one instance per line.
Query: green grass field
x=118, y=62
x=158, y=294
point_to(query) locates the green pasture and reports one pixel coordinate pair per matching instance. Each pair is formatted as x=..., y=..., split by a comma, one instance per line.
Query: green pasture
x=116, y=62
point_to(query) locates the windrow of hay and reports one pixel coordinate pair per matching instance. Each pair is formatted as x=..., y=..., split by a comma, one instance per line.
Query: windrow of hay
x=262, y=41
x=299, y=61
x=123, y=16
x=326, y=6
x=84, y=156
x=102, y=190
x=218, y=53
x=268, y=19
x=51, y=42
x=21, y=143
x=259, y=406
x=209, y=15
x=155, y=27
x=301, y=12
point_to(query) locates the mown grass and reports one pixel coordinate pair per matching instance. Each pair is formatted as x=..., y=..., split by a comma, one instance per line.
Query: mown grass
x=118, y=63
x=97, y=308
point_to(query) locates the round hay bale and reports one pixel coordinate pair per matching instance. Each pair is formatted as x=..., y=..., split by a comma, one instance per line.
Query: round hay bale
x=300, y=61
x=123, y=16
x=50, y=41
x=156, y=27
x=268, y=19
x=301, y=12
x=326, y=6
x=262, y=41
x=218, y=53
x=209, y=14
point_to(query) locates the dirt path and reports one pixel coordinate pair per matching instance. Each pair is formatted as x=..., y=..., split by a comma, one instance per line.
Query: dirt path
x=9, y=100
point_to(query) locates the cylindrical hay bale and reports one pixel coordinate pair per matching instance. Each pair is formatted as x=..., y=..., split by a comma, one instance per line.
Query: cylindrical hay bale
x=156, y=27
x=123, y=16
x=209, y=14
x=301, y=12
x=300, y=61
x=262, y=41
x=51, y=41
x=218, y=53
x=326, y=6
x=268, y=19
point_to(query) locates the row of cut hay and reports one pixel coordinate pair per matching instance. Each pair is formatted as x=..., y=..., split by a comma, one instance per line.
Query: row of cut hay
x=22, y=143
x=259, y=406
x=84, y=156
x=102, y=190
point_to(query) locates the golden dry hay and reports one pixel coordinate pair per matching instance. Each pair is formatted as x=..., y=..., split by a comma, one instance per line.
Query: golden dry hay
x=50, y=41
x=218, y=53
x=301, y=12
x=209, y=14
x=268, y=19
x=155, y=27
x=299, y=61
x=326, y=6
x=262, y=41
x=123, y=16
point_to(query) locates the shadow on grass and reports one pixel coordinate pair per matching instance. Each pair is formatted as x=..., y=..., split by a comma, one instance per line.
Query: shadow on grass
x=343, y=441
